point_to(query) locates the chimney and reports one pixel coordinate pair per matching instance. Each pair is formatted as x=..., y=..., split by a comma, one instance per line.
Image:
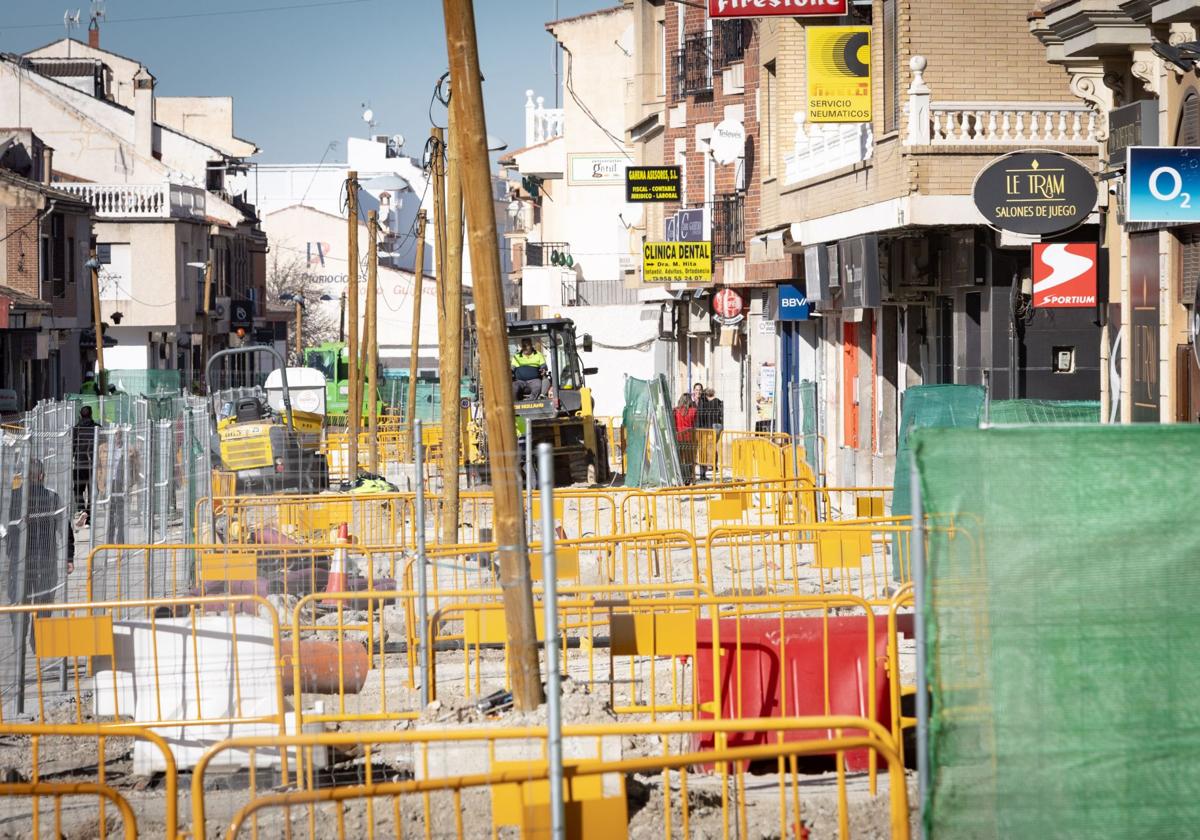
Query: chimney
x=143, y=113
x=94, y=34
x=47, y=164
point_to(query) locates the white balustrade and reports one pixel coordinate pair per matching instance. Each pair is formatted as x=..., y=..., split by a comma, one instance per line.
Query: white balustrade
x=1011, y=124
x=140, y=201
x=541, y=123
x=985, y=123
x=821, y=148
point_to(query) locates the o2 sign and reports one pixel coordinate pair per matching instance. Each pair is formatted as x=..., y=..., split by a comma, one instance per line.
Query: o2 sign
x=1162, y=184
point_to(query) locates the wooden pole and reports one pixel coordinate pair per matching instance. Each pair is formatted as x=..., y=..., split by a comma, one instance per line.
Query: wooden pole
x=299, y=332
x=373, y=339
x=354, y=401
x=450, y=325
x=418, y=289
x=470, y=141
x=206, y=335
x=96, y=319
x=438, y=172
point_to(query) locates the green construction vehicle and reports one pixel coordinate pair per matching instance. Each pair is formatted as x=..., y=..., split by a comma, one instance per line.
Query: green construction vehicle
x=332, y=359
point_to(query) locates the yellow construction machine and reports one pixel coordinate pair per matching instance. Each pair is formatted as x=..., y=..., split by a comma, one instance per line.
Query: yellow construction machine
x=269, y=448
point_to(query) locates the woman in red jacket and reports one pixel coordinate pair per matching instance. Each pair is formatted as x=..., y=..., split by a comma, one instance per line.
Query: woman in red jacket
x=685, y=424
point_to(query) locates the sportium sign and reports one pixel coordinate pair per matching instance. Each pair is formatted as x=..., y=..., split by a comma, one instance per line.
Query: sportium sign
x=677, y=262
x=839, y=74
x=1035, y=193
x=1064, y=274
x=765, y=8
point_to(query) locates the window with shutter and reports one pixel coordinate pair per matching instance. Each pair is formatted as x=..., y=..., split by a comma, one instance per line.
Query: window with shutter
x=891, y=58
x=1189, y=265
x=1188, y=132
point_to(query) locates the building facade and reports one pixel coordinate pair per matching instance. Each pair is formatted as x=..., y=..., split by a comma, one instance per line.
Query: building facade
x=167, y=190
x=1135, y=64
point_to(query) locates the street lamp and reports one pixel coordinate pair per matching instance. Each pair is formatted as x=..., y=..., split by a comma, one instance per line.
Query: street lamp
x=341, y=315
x=299, y=301
x=93, y=265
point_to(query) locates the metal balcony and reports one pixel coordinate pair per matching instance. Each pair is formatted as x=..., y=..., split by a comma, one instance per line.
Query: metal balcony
x=728, y=225
x=694, y=67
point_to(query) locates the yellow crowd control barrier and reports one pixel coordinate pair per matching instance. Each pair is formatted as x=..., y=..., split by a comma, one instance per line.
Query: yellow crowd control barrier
x=77, y=758
x=901, y=600
x=468, y=782
x=868, y=558
x=199, y=665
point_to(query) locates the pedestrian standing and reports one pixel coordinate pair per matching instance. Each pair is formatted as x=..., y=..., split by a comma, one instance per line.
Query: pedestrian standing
x=83, y=452
x=685, y=436
x=35, y=581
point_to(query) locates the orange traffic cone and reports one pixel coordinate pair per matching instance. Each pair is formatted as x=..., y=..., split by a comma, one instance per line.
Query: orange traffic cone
x=337, y=567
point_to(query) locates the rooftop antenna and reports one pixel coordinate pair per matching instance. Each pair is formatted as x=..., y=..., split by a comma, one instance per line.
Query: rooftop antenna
x=70, y=22
x=368, y=117
x=97, y=15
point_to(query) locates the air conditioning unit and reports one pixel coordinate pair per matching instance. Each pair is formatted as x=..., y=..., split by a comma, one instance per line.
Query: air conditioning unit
x=220, y=314
x=699, y=318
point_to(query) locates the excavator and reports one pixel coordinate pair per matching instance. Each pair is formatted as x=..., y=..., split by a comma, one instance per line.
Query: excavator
x=270, y=449
x=557, y=409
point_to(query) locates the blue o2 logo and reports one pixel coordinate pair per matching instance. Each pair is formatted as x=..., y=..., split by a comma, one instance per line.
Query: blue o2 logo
x=1163, y=184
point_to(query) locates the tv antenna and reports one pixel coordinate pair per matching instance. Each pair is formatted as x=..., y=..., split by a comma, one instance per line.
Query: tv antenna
x=97, y=15
x=70, y=22
x=368, y=117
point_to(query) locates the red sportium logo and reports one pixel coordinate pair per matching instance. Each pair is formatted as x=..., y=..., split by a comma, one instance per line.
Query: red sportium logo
x=1064, y=274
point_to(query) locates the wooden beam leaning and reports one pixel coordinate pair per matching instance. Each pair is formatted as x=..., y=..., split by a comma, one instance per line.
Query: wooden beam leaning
x=471, y=142
x=450, y=363
x=418, y=291
x=354, y=400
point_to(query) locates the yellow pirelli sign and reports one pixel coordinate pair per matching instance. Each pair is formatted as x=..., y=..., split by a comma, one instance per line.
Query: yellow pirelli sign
x=677, y=262
x=839, y=74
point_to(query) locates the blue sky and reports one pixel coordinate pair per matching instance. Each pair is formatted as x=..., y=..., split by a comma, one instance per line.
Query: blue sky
x=299, y=76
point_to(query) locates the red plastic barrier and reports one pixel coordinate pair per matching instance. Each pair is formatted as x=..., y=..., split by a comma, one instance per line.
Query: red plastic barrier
x=788, y=668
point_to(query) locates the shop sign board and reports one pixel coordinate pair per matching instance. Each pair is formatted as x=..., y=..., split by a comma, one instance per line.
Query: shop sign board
x=677, y=262
x=728, y=307
x=1064, y=274
x=1163, y=184
x=1035, y=193
x=769, y=8
x=793, y=304
x=685, y=226
x=652, y=183
x=1135, y=124
x=596, y=170
x=839, y=74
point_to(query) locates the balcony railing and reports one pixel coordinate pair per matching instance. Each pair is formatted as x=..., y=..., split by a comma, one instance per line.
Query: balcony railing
x=729, y=40
x=541, y=123
x=579, y=292
x=989, y=123
x=140, y=201
x=543, y=253
x=728, y=230
x=820, y=148
x=694, y=67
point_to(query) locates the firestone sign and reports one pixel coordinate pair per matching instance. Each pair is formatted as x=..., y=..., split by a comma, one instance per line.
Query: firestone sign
x=766, y=8
x=1035, y=193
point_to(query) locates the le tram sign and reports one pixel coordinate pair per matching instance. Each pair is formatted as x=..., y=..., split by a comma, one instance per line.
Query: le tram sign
x=1035, y=193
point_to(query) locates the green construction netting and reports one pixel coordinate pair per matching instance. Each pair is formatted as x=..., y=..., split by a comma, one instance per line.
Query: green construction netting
x=145, y=381
x=1019, y=412
x=808, y=424
x=651, y=451
x=940, y=406
x=1062, y=645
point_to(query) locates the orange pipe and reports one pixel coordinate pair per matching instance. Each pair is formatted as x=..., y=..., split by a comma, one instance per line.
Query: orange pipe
x=319, y=671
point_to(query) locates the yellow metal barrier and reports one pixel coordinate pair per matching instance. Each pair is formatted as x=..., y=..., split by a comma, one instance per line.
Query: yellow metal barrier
x=866, y=558
x=84, y=752
x=151, y=662
x=458, y=771
x=903, y=598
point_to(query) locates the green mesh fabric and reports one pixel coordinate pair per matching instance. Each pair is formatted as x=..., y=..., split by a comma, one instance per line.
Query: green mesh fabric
x=1019, y=412
x=808, y=424
x=1062, y=643
x=145, y=381
x=651, y=451
x=940, y=406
